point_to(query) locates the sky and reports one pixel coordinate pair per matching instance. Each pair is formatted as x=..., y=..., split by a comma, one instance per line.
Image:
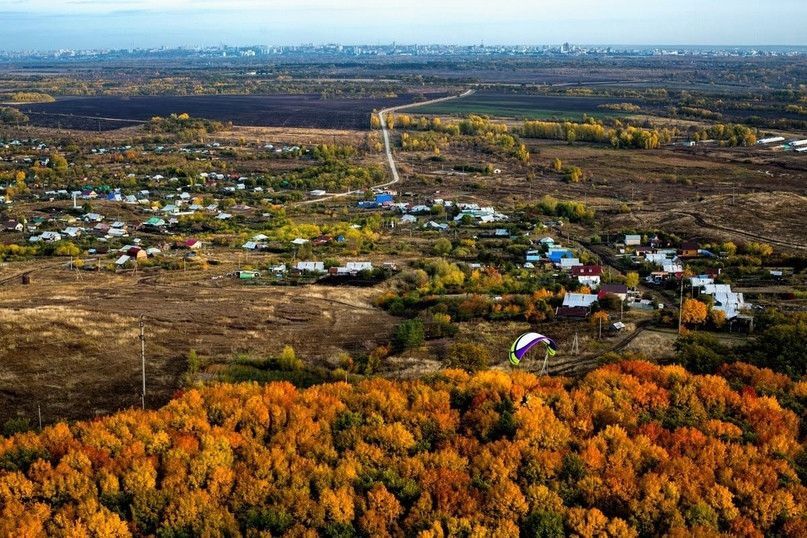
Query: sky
x=82, y=24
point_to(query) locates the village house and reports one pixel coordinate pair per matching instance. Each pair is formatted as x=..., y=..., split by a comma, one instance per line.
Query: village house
x=137, y=253
x=13, y=226
x=633, y=240
x=620, y=290
x=436, y=226
x=556, y=254
x=572, y=312
x=72, y=232
x=567, y=264
x=533, y=256
x=732, y=304
x=154, y=222
x=587, y=275
x=46, y=237
x=93, y=217
x=689, y=249
x=101, y=228
x=584, y=300
x=310, y=267
x=352, y=268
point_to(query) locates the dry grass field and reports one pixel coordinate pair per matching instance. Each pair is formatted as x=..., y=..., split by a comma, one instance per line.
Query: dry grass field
x=71, y=344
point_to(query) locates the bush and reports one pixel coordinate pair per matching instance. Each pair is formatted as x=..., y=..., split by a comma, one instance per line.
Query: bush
x=700, y=353
x=16, y=425
x=288, y=360
x=468, y=356
x=440, y=326
x=442, y=247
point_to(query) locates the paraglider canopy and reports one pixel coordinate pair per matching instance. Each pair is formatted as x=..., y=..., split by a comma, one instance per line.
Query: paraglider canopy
x=526, y=342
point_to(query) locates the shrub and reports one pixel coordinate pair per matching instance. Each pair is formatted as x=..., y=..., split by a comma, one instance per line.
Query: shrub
x=468, y=356
x=288, y=360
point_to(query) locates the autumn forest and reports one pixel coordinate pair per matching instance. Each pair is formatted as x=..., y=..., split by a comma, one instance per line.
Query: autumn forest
x=630, y=449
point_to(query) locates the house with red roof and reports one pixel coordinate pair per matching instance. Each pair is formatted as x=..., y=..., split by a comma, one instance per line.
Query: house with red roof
x=588, y=275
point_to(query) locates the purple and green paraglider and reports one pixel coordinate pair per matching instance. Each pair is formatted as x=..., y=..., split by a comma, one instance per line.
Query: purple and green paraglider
x=526, y=342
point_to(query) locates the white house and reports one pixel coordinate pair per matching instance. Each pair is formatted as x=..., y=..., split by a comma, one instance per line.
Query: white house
x=436, y=225
x=700, y=281
x=310, y=267
x=730, y=303
x=568, y=263
x=352, y=268
x=49, y=237
x=633, y=240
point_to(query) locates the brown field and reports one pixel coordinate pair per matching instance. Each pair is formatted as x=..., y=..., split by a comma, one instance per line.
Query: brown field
x=741, y=194
x=70, y=343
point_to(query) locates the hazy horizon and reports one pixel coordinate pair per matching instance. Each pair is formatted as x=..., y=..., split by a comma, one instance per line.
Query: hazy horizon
x=89, y=24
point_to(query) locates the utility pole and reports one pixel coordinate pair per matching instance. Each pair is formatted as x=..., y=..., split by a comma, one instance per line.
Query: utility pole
x=575, y=345
x=600, y=335
x=143, y=360
x=681, y=305
x=39, y=413
x=621, y=309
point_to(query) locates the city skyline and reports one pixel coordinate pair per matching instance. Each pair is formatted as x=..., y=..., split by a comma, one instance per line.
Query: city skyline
x=88, y=24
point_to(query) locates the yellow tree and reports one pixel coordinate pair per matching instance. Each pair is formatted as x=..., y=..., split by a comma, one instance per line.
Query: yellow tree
x=694, y=312
x=717, y=317
x=598, y=319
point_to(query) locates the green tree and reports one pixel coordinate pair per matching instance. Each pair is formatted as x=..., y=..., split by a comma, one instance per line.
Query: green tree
x=409, y=334
x=543, y=524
